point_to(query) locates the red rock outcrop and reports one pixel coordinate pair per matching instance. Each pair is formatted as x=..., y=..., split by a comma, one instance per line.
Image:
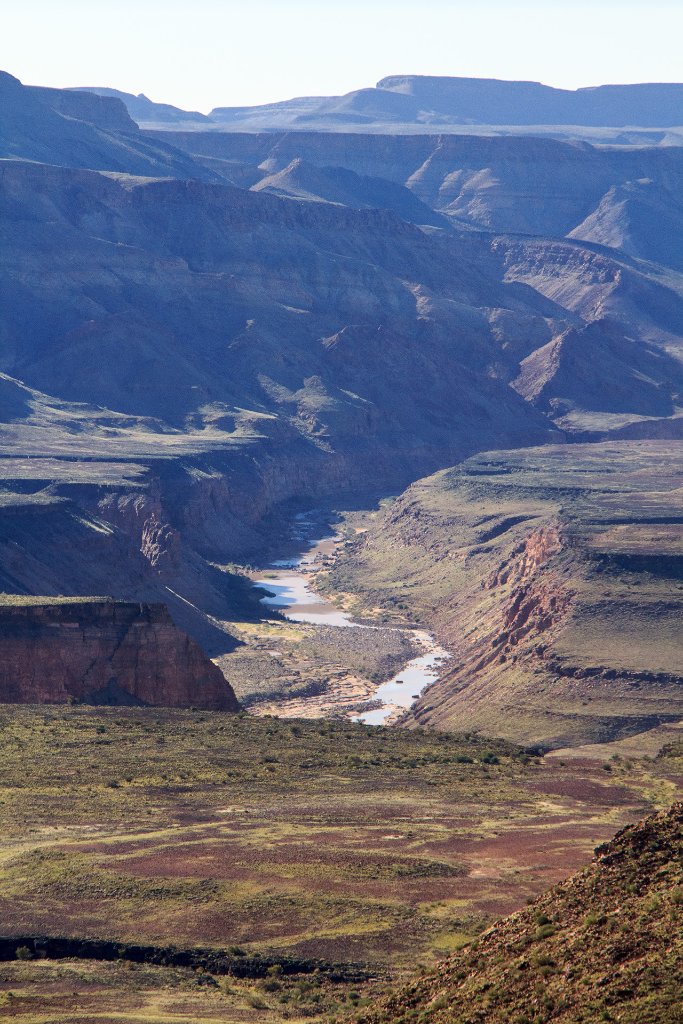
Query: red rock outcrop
x=104, y=652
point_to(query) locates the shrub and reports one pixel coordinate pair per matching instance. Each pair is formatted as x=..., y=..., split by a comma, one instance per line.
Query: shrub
x=24, y=953
x=544, y=961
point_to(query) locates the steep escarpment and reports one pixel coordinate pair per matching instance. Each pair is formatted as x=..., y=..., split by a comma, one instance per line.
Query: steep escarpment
x=106, y=112
x=605, y=945
x=528, y=185
x=553, y=575
x=93, y=526
x=103, y=652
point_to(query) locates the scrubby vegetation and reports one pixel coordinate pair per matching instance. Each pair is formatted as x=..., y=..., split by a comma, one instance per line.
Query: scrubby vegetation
x=379, y=847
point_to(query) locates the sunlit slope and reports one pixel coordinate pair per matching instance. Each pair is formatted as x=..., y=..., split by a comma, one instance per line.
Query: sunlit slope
x=556, y=577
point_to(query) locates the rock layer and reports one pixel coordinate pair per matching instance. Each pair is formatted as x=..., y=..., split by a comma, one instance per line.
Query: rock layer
x=104, y=653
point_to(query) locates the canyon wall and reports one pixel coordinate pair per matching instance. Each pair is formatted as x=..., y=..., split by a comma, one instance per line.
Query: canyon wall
x=556, y=587
x=104, y=652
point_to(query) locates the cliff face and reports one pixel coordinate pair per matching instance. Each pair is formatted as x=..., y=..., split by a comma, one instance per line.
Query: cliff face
x=104, y=653
x=106, y=112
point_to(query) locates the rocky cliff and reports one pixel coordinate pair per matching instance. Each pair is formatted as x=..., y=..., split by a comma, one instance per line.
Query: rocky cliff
x=103, y=652
x=106, y=112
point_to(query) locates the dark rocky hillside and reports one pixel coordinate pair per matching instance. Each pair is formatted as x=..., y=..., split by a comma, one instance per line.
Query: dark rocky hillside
x=604, y=946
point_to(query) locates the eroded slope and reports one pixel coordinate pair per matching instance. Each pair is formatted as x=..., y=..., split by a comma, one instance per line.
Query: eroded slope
x=555, y=576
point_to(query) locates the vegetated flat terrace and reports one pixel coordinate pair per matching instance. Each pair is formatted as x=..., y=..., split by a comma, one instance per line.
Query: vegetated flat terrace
x=374, y=846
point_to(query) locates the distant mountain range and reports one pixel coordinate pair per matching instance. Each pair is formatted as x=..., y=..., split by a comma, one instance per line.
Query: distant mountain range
x=409, y=103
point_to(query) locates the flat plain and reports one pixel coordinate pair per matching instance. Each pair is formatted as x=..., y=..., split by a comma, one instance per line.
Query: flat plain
x=359, y=849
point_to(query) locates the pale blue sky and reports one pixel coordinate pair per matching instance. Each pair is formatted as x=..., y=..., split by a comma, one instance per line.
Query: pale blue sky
x=210, y=53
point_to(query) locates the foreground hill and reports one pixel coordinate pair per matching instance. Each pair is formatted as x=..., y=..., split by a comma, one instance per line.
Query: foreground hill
x=554, y=577
x=607, y=945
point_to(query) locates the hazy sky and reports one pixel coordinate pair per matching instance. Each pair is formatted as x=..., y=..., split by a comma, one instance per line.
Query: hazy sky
x=210, y=53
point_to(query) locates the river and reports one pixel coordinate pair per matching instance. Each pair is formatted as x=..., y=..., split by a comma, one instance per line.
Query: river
x=290, y=583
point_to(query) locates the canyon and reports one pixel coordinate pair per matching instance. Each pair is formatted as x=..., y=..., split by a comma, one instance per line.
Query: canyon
x=340, y=554
x=190, y=356
x=553, y=575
